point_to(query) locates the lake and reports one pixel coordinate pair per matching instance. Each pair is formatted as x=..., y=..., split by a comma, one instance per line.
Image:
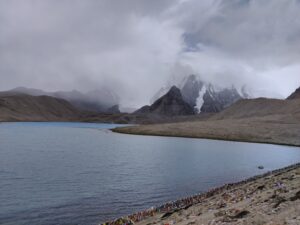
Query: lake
x=82, y=173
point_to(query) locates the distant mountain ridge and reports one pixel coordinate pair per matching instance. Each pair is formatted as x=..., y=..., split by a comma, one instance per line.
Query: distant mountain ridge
x=22, y=107
x=285, y=110
x=206, y=97
x=261, y=120
x=102, y=100
x=260, y=107
x=170, y=104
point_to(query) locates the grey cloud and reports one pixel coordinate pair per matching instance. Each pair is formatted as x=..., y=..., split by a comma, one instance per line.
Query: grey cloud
x=134, y=46
x=253, y=30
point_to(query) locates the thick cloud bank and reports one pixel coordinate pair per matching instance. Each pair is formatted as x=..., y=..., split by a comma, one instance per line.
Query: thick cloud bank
x=136, y=46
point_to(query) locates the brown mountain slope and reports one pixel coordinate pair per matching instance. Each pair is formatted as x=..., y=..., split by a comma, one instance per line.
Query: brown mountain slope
x=253, y=120
x=20, y=107
x=261, y=107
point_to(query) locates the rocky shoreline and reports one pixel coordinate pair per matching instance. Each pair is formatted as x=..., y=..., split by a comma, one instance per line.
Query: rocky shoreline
x=271, y=198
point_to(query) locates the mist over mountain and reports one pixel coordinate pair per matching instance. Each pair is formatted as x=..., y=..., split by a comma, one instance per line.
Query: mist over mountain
x=136, y=46
x=22, y=107
x=206, y=97
x=100, y=100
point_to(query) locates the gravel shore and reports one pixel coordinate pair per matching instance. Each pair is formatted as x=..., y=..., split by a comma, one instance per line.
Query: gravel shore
x=269, y=199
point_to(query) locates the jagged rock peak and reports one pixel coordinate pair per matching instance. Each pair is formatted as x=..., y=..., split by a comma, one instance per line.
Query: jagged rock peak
x=206, y=97
x=170, y=104
x=174, y=91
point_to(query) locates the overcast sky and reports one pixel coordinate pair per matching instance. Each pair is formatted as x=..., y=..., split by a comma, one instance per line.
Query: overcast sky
x=135, y=46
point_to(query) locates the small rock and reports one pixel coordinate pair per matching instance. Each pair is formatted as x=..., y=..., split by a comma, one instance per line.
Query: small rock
x=227, y=219
x=192, y=222
x=295, y=197
x=261, y=187
x=221, y=205
x=240, y=214
x=278, y=201
x=166, y=215
x=220, y=213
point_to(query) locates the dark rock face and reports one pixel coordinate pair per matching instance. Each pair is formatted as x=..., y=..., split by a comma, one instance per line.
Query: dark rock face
x=143, y=110
x=216, y=101
x=113, y=109
x=171, y=104
x=295, y=95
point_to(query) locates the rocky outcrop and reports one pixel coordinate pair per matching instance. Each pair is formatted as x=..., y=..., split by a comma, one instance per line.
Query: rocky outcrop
x=295, y=95
x=171, y=104
x=144, y=110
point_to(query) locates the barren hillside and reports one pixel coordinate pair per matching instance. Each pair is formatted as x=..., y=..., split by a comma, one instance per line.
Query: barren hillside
x=20, y=107
x=251, y=120
x=261, y=107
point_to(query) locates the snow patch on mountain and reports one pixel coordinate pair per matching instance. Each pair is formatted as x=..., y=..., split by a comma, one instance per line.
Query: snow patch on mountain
x=206, y=97
x=200, y=100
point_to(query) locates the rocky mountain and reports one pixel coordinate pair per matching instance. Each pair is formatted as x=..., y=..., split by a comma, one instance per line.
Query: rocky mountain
x=190, y=89
x=170, y=104
x=295, y=95
x=101, y=100
x=22, y=107
x=206, y=97
x=260, y=120
x=216, y=101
